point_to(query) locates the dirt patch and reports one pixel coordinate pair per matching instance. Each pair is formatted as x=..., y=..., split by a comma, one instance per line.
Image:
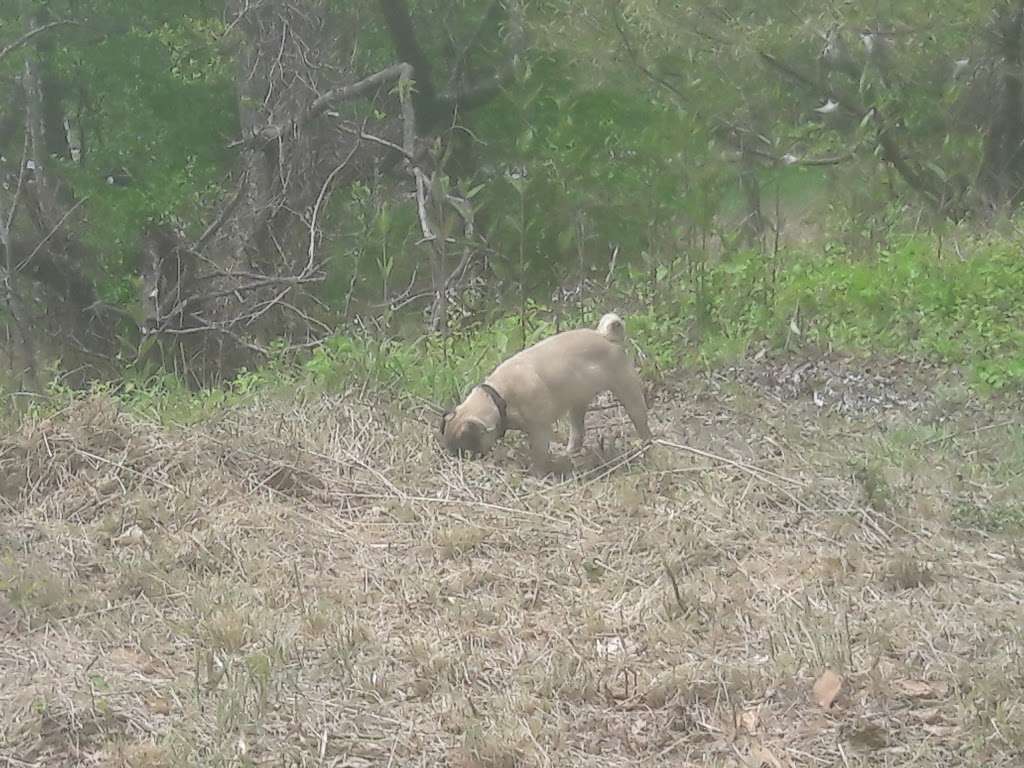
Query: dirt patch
x=774, y=583
x=845, y=385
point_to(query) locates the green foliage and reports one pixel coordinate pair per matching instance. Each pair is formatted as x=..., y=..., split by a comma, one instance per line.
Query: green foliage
x=161, y=98
x=995, y=518
x=603, y=157
x=432, y=368
x=907, y=299
x=150, y=94
x=162, y=397
x=369, y=254
x=961, y=311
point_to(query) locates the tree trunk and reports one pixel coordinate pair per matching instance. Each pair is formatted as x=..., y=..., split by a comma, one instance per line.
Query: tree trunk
x=24, y=368
x=55, y=140
x=41, y=182
x=1001, y=177
x=750, y=183
x=247, y=271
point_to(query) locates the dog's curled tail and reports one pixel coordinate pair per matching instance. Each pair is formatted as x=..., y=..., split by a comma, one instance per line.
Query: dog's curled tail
x=612, y=328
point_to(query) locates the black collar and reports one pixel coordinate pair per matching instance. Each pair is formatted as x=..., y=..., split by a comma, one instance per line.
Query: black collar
x=500, y=404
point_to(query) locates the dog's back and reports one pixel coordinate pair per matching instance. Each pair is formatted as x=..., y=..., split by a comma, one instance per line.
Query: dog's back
x=569, y=354
x=592, y=344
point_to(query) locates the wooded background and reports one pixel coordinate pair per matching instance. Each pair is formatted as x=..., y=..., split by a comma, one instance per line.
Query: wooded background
x=201, y=185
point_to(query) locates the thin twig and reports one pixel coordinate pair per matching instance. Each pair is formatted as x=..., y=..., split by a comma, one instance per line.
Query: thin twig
x=217, y=223
x=319, y=202
x=375, y=140
x=56, y=227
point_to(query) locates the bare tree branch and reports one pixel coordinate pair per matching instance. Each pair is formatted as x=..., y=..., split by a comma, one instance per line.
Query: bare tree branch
x=32, y=33
x=812, y=162
x=362, y=134
x=427, y=105
x=53, y=231
x=734, y=135
x=320, y=105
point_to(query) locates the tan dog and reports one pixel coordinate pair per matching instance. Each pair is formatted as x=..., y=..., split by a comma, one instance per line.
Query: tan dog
x=534, y=388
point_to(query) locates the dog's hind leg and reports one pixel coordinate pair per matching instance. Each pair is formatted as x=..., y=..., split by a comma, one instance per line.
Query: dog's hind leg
x=540, y=445
x=629, y=391
x=577, y=429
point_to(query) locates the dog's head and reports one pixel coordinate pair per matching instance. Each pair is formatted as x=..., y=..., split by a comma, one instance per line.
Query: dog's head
x=466, y=435
x=470, y=429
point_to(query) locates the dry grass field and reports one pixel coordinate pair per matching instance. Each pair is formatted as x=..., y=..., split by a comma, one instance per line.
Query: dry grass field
x=817, y=564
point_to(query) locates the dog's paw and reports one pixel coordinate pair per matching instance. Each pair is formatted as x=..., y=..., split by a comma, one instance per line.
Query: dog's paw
x=562, y=467
x=559, y=467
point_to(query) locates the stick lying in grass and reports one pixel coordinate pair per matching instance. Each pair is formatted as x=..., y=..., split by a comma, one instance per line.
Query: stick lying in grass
x=758, y=472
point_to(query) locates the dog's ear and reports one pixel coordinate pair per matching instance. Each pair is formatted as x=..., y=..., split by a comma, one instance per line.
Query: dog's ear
x=444, y=421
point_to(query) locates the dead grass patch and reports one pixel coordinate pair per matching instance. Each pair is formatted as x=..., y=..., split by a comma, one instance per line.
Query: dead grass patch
x=321, y=586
